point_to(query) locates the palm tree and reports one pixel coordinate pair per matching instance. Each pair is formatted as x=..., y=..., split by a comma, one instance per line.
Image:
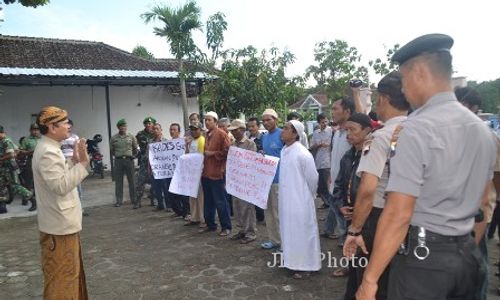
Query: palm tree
x=178, y=24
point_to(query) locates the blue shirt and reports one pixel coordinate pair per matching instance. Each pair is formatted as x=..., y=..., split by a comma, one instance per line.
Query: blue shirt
x=272, y=145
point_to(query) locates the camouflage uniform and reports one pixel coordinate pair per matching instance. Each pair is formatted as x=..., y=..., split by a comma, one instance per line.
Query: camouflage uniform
x=9, y=175
x=143, y=139
x=28, y=144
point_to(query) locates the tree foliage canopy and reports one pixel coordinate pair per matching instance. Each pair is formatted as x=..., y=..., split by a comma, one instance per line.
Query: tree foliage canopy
x=141, y=51
x=490, y=94
x=250, y=81
x=336, y=65
x=384, y=67
x=177, y=26
x=28, y=3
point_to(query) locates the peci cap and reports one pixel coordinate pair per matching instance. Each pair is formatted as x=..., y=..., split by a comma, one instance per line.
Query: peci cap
x=428, y=43
x=270, y=112
x=149, y=120
x=237, y=123
x=212, y=114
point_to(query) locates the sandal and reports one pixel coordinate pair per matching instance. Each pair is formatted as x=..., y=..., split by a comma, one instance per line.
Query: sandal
x=225, y=232
x=301, y=275
x=343, y=272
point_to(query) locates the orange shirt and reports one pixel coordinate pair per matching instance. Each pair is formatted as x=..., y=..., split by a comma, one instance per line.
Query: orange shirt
x=214, y=166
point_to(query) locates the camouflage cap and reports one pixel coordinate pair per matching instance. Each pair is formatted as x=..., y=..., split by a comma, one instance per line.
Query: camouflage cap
x=149, y=120
x=34, y=126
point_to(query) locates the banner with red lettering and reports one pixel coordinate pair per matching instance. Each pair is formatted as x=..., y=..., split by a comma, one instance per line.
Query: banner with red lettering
x=249, y=175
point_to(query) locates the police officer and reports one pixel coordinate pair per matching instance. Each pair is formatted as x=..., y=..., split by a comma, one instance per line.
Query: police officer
x=373, y=168
x=439, y=170
x=123, y=148
x=144, y=137
x=9, y=173
x=25, y=155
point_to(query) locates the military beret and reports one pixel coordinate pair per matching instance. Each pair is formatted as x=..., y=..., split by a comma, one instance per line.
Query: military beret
x=34, y=126
x=149, y=120
x=1, y=129
x=121, y=122
x=428, y=43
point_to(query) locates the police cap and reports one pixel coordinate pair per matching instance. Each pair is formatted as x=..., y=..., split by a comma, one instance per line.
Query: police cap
x=428, y=43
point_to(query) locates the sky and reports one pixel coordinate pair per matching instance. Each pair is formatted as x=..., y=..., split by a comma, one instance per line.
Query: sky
x=372, y=27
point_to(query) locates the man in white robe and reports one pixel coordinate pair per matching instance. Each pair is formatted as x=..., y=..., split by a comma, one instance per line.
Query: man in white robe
x=298, y=182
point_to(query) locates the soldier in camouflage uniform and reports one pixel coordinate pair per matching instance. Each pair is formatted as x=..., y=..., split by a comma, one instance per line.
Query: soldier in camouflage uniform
x=9, y=173
x=26, y=150
x=144, y=137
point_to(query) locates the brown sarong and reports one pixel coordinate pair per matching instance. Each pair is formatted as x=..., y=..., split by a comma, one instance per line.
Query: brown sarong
x=62, y=266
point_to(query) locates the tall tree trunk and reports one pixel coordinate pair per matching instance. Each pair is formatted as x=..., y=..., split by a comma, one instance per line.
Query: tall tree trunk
x=183, y=94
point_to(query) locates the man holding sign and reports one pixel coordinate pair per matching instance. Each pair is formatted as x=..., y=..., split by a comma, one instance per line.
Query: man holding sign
x=243, y=210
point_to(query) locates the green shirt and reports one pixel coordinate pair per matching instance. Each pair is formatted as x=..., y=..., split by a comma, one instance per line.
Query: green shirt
x=123, y=145
x=29, y=143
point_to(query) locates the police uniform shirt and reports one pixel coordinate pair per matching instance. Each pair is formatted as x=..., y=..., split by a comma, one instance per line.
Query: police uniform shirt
x=374, y=159
x=123, y=145
x=444, y=157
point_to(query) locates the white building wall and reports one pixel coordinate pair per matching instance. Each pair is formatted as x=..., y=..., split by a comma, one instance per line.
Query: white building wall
x=87, y=108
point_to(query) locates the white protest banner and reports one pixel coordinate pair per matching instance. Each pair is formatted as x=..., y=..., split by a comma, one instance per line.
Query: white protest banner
x=249, y=175
x=163, y=157
x=187, y=175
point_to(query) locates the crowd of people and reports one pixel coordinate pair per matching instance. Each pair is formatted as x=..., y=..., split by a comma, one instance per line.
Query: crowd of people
x=412, y=191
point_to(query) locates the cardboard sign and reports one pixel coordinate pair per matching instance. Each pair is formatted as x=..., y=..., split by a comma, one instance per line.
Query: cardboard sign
x=249, y=175
x=163, y=157
x=187, y=175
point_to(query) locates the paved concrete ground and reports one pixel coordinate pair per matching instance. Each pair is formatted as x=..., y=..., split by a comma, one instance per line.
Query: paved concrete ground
x=140, y=254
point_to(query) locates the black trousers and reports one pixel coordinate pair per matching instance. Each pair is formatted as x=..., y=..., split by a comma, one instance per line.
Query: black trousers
x=452, y=271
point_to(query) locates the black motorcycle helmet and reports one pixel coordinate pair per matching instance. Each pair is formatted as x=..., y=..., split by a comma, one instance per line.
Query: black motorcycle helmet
x=97, y=138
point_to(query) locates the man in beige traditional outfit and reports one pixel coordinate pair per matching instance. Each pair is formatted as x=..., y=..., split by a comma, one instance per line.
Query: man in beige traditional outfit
x=59, y=207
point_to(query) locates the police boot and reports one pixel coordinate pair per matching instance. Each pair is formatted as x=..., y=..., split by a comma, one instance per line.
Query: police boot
x=3, y=208
x=33, y=204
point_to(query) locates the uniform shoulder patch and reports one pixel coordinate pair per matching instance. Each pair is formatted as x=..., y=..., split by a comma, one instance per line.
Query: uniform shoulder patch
x=394, y=139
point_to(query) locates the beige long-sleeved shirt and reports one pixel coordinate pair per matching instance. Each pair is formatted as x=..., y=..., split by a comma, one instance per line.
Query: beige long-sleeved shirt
x=59, y=207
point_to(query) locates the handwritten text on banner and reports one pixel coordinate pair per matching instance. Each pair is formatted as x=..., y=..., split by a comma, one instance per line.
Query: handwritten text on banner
x=163, y=157
x=250, y=175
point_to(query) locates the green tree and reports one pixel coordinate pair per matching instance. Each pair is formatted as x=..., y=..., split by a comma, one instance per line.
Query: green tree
x=177, y=27
x=141, y=51
x=336, y=64
x=216, y=25
x=384, y=67
x=250, y=80
x=490, y=94
x=28, y=3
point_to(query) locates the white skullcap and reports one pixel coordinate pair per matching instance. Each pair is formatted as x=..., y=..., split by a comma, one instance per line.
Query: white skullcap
x=299, y=127
x=212, y=114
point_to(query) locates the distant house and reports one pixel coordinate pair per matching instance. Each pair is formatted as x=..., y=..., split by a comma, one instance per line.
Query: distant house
x=97, y=83
x=313, y=102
